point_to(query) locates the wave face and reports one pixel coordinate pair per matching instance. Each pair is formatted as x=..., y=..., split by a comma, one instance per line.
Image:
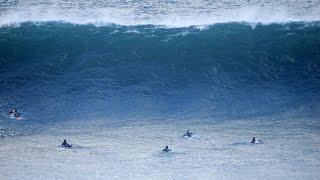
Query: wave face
x=56, y=71
x=171, y=13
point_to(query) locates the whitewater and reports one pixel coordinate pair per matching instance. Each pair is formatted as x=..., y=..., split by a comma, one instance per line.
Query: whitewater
x=120, y=80
x=169, y=13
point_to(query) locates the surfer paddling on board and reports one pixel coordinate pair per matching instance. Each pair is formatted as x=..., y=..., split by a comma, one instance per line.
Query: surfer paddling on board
x=14, y=113
x=188, y=134
x=166, y=149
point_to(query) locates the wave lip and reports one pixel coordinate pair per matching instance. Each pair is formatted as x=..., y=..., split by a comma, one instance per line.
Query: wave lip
x=171, y=14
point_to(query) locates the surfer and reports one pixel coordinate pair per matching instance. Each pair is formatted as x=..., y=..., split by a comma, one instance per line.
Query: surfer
x=256, y=141
x=14, y=113
x=65, y=144
x=253, y=140
x=166, y=149
x=188, y=134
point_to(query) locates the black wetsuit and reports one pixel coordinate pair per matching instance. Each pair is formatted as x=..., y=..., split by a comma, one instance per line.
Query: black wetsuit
x=66, y=145
x=188, y=134
x=166, y=149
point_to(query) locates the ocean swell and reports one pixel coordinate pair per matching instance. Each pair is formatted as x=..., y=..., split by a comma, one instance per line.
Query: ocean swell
x=56, y=71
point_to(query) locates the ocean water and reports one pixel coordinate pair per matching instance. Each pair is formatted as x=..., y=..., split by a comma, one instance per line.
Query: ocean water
x=120, y=80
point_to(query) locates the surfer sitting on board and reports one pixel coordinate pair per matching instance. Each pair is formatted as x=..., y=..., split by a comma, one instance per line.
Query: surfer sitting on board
x=65, y=144
x=256, y=141
x=253, y=140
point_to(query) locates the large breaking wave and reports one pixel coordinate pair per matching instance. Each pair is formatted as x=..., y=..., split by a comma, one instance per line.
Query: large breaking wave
x=140, y=59
x=56, y=71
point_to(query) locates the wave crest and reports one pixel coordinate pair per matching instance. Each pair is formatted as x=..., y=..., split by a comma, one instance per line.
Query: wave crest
x=177, y=13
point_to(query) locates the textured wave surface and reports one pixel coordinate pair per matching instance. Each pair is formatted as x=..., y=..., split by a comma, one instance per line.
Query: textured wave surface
x=58, y=70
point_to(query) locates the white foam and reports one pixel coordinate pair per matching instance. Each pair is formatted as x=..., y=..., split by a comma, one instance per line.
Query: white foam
x=178, y=13
x=133, y=151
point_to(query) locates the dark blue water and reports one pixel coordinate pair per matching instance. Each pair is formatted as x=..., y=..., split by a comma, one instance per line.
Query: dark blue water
x=57, y=71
